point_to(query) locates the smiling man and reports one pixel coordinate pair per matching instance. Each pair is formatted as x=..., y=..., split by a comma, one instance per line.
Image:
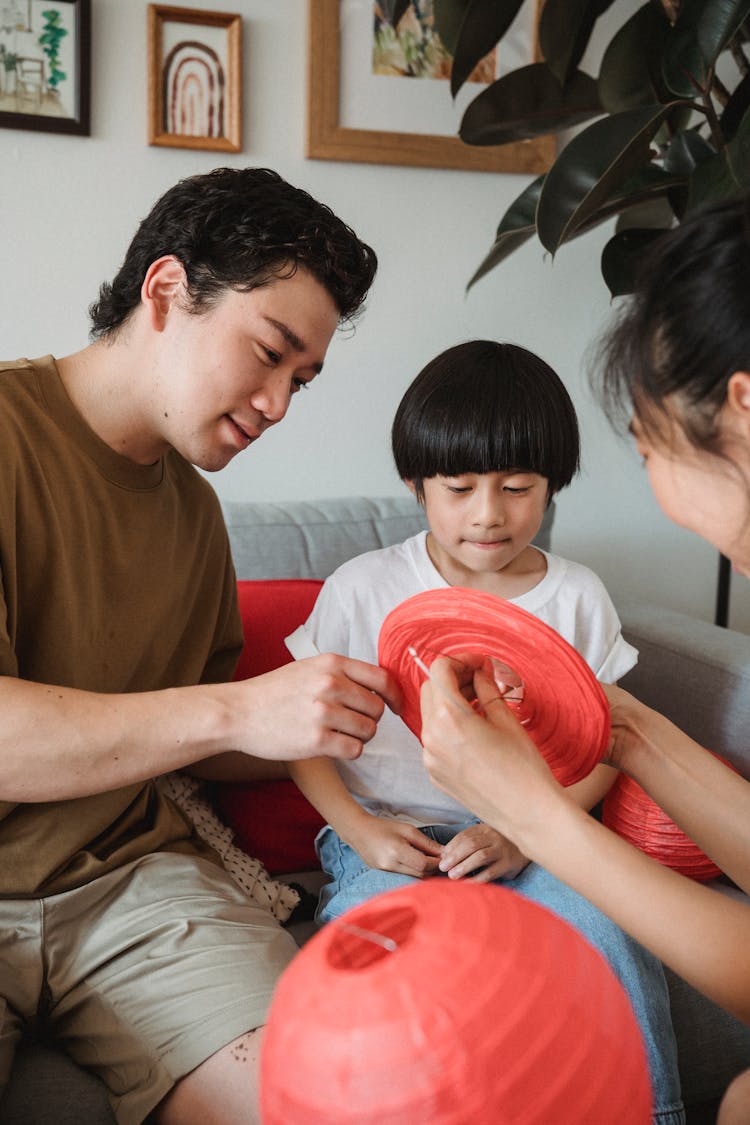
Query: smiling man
x=119, y=633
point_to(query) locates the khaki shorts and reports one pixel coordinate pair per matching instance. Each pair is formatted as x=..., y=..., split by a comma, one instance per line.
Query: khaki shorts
x=141, y=975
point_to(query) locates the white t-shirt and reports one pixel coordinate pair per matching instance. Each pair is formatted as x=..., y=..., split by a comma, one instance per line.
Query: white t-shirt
x=388, y=778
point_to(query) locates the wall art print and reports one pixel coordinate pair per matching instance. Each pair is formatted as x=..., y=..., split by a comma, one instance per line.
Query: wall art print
x=194, y=78
x=45, y=65
x=378, y=89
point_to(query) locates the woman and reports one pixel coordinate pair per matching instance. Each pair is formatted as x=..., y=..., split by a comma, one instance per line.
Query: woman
x=679, y=361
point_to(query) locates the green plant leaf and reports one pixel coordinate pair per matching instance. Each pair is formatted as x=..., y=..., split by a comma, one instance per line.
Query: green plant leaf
x=630, y=71
x=724, y=174
x=449, y=16
x=517, y=226
x=565, y=28
x=717, y=24
x=622, y=254
x=734, y=110
x=485, y=22
x=683, y=66
x=528, y=102
x=685, y=151
x=590, y=169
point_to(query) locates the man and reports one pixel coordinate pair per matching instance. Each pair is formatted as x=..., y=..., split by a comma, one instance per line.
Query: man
x=120, y=632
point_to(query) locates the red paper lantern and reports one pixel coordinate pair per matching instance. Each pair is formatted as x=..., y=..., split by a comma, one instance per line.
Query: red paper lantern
x=564, y=710
x=452, y=1004
x=630, y=812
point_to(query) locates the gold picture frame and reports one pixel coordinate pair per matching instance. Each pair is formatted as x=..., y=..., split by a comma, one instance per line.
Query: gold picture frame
x=194, y=78
x=327, y=139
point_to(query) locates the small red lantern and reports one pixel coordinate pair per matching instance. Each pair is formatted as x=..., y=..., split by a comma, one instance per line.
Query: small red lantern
x=452, y=1004
x=630, y=812
x=563, y=707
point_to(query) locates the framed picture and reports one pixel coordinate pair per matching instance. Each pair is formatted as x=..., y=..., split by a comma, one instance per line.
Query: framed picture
x=371, y=100
x=194, y=78
x=45, y=65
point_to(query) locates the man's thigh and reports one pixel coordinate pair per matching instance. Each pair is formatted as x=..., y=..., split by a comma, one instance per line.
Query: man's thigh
x=154, y=968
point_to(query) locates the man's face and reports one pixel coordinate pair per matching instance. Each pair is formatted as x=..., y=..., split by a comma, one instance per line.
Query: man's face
x=227, y=374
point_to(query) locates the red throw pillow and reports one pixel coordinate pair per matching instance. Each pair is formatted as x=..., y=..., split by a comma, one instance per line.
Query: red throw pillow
x=271, y=820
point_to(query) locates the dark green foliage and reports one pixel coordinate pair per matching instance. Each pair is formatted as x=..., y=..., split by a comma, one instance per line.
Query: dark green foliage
x=668, y=131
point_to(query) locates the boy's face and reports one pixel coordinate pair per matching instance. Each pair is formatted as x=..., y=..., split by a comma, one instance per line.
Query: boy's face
x=481, y=523
x=227, y=374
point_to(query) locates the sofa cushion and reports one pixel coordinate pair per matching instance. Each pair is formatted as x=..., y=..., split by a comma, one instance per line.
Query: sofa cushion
x=271, y=820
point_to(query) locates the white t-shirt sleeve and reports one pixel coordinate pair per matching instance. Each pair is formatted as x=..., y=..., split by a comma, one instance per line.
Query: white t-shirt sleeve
x=326, y=629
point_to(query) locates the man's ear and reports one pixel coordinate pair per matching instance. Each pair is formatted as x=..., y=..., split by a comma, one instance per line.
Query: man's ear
x=163, y=284
x=738, y=393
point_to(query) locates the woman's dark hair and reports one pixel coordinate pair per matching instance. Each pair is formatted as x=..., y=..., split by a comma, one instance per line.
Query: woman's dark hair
x=483, y=407
x=239, y=228
x=685, y=330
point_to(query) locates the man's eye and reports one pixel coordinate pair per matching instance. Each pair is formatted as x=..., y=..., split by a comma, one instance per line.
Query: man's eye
x=300, y=384
x=273, y=356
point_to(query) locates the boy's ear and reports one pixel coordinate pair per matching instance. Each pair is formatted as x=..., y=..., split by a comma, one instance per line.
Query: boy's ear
x=164, y=282
x=416, y=491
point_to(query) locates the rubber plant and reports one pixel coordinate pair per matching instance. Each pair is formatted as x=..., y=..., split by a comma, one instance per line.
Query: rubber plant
x=668, y=117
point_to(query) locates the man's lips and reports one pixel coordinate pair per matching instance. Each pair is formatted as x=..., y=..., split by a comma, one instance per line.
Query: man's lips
x=246, y=432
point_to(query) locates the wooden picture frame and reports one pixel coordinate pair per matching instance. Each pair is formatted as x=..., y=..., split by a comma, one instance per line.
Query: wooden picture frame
x=45, y=66
x=194, y=78
x=329, y=139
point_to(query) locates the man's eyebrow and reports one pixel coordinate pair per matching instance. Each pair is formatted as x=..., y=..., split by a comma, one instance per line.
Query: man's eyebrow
x=291, y=338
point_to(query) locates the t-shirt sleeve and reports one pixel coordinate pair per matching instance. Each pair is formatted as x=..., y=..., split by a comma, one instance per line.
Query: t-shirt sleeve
x=605, y=649
x=326, y=629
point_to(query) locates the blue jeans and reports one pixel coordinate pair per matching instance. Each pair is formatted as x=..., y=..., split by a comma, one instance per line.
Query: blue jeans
x=641, y=974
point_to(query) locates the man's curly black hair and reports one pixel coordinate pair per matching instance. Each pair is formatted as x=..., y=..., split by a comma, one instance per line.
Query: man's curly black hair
x=239, y=228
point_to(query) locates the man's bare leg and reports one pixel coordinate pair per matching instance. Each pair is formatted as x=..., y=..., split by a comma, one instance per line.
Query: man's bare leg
x=221, y=1091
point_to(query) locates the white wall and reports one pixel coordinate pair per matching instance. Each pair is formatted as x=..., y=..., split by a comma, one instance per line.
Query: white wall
x=70, y=206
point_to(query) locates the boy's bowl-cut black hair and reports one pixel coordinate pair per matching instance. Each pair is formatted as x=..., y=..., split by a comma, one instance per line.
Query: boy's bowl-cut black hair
x=483, y=407
x=238, y=228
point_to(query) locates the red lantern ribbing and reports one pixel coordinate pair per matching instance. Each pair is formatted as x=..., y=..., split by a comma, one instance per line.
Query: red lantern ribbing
x=453, y=1004
x=563, y=710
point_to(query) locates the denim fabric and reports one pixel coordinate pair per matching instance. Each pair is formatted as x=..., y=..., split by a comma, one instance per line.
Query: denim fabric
x=641, y=974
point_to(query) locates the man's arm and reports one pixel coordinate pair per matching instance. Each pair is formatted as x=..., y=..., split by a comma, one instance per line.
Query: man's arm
x=58, y=742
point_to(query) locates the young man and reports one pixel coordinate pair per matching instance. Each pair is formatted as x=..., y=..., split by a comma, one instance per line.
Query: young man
x=119, y=632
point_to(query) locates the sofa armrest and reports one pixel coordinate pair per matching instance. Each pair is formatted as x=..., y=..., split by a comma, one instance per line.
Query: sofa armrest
x=694, y=673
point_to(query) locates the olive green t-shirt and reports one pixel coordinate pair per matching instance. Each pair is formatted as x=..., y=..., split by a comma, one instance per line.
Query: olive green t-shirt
x=114, y=577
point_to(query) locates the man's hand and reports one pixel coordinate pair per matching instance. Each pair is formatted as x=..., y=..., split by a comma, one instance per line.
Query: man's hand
x=481, y=854
x=325, y=705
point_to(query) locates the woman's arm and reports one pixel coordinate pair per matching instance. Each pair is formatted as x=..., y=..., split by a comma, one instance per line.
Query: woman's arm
x=492, y=766
x=708, y=800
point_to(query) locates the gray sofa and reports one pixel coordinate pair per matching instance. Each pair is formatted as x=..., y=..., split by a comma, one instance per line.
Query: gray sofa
x=695, y=673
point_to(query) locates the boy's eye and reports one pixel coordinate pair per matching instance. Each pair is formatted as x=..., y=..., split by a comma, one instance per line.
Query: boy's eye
x=300, y=384
x=518, y=490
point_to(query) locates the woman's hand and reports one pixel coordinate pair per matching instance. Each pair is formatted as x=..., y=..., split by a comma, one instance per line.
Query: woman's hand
x=634, y=727
x=488, y=763
x=480, y=854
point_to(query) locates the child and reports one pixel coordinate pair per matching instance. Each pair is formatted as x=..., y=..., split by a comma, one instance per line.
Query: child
x=484, y=437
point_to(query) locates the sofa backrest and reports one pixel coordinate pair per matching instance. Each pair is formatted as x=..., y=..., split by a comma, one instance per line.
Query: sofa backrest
x=310, y=538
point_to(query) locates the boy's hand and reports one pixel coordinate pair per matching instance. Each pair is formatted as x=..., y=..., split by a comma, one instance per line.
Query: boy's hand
x=391, y=845
x=481, y=853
